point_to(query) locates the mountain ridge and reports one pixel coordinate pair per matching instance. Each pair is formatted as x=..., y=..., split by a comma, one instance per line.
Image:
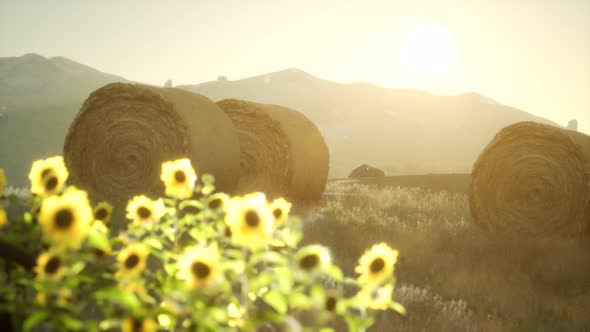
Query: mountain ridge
x=403, y=131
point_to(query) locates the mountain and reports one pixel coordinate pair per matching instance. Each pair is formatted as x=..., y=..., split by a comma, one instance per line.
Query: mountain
x=399, y=130
x=39, y=98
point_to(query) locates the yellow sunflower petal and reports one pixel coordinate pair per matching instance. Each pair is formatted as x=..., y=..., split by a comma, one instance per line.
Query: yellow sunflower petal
x=50, y=266
x=48, y=176
x=103, y=212
x=377, y=298
x=179, y=178
x=199, y=266
x=132, y=260
x=141, y=209
x=3, y=218
x=2, y=181
x=134, y=324
x=312, y=258
x=250, y=220
x=65, y=219
x=280, y=209
x=377, y=264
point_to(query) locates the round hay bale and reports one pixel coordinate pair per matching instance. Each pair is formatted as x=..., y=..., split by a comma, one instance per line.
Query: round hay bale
x=533, y=179
x=282, y=152
x=117, y=142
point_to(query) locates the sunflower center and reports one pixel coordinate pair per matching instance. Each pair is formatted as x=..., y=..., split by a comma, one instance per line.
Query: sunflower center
x=252, y=218
x=52, y=265
x=277, y=213
x=51, y=183
x=179, y=176
x=137, y=325
x=377, y=265
x=215, y=203
x=143, y=212
x=330, y=303
x=45, y=172
x=98, y=252
x=308, y=262
x=131, y=261
x=227, y=232
x=101, y=214
x=64, y=219
x=200, y=270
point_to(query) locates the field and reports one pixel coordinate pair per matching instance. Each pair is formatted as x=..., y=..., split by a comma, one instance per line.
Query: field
x=450, y=275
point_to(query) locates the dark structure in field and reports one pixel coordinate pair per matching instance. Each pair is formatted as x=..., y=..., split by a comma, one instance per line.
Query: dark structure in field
x=533, y=179
x=366, y=171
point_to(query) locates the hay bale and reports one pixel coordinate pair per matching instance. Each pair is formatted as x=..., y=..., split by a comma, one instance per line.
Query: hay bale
x=366, y=171
x=282, y=152
x=533, y=179
x=116, y=144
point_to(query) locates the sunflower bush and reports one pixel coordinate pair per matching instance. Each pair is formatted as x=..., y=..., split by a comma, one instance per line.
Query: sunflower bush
x=194, y=260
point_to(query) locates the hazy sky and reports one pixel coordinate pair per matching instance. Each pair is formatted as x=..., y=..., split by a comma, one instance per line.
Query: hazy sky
x=531, y=54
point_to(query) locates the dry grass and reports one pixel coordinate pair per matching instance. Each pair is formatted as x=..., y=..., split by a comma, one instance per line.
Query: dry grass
x=451, y=276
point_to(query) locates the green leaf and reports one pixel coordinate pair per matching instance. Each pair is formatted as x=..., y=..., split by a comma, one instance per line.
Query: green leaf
x=34, y=320
x=98, y=240
x=109, y=324
x=154, y=243
x=358, y=323
x=197, y=234
x=276, y=300
x=299, y=300
x=127, y=300
x=398, y=308
x=334, y=272
x=70, y=323
x=268, y=257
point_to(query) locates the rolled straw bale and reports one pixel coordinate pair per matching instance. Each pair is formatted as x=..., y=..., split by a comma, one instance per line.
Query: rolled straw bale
x=117, y=142
x=533, y=179
x=282, y=152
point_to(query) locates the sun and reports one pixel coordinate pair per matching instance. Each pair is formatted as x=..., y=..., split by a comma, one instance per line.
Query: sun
x=427, y=49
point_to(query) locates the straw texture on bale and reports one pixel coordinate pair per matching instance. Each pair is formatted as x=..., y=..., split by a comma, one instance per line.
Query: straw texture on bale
x=533, y=180
x=282, y=152
x=117, y=142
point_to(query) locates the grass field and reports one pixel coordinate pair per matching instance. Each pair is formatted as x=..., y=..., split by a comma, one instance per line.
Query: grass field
x=451, y=276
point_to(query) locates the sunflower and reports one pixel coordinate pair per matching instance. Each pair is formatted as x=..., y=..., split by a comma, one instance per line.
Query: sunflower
x=144, y=210
x=179, y=178
x=217, y=202
x=199, y=266
x=312, y=258
x=103, y=212
x=48, y=176
x=50, y=266
x=65, y=218
x=135, y=324
x=250, y=220
x=377, y=298
x=2, y=181
x=377, y=264
x=132, y=260
x=3, y=219
x=280, y=210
